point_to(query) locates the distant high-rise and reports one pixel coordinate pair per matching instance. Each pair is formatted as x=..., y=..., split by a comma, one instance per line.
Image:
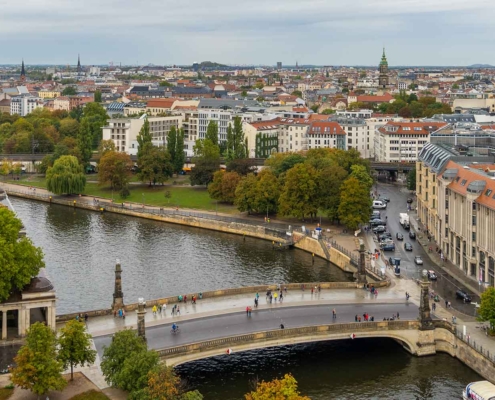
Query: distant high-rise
x=23, y=72
x=279, y=64
x=79, y=69
x=383, y=68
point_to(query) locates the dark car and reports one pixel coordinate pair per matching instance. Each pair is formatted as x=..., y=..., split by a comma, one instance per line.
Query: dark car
x=407, y=226
x=412, y=235
x=379, y=229
x=386, y=235
x=399, y=236
x=462, y=295
x=389, y=247
x=410, y=200
x=385, y=199
x=394, y=261
x=376, y=222
x=407, y=246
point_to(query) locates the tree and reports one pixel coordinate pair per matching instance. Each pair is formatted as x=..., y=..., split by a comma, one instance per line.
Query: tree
x=486, y=311
x=330, y=181
x=212, y=132
x=69, y=91
x=267, y=192
x=455, y=86
x=411, y=180
x=361, y=173
x=206, y=162
x=69, y=127
x=21, y=260
x=245, y=194
x=299, y=195
x=328, y=111
x=97, y=116
x=241, y=166
x=75, y=346
x=66, y=176
x=144, y=139
x=244, y=93
x=114, y=168
x=297, y=93
x=277, y=389
x=163, y=383
x=315, y=107
x=105, y=146
x=223, y=186
x=37, y=367
x=85, y=141
x=155, y=165
x=236, y=146
x=282, y=162
x=175, y=147
x=355, y=203
x=97, y=96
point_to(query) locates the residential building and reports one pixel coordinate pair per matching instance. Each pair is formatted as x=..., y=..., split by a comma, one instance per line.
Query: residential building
x=61, y=103
x=134, y=107
x=402, y=141
x=24, y=104
x=326, y=134
x=5, y=106
x=358, y=135
x=292, y=135
x=48, y=94
x=262, y=137
x=124, y=132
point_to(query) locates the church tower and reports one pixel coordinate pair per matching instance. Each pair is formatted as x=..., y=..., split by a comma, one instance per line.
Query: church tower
x=23, y=72
x=383, y=68
x=79, y=69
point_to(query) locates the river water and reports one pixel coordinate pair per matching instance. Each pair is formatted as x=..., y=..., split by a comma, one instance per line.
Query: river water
x=158, y=259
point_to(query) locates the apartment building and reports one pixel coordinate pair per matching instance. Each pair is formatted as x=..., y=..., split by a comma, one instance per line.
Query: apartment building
x=190, y=127
x=222, y=119
x=292, y=135
x=61, y=103
x=262, y=137
x=124, y=132
x=24, y=104
x=48, y=94
x=402, y=141
x=358, y=135
x=326, y=134
x=456, y=202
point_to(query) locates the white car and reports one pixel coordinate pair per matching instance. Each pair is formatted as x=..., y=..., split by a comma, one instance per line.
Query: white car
x=418, y=260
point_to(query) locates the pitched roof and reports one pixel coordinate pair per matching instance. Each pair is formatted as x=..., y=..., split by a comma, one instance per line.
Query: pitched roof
x=161, y=103
x=326, y=127
x=375, y=99
x=266, y=125
x=408, y=128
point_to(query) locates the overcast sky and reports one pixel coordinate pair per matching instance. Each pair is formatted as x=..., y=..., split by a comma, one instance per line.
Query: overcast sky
x=321, y=32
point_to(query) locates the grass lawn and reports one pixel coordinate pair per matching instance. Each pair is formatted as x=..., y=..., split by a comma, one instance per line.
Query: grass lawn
x=180, y=196
x=91, y=395
x=5, y=393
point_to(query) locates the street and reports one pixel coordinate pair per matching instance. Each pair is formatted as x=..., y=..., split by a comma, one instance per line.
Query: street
x=446, y=285
x=225, y=325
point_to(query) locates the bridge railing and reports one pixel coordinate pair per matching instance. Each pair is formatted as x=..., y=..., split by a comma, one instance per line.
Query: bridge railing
x=346, y=328
x=484, y=351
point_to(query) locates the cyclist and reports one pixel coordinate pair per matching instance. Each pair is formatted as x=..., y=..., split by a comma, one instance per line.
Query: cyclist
x=175, y=328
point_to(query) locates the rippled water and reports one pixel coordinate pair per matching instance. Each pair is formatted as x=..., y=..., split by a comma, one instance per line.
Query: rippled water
x=340, y=370
x=158, y=259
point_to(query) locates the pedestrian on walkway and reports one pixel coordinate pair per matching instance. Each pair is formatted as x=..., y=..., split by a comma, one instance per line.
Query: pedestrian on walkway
x=434, y=306
x=319, y=288
x=446, y=304
x=398, y=317
x=123, y=314
x=334, y=314
x=271, y=298
x=86, y=316
x=275, y=295
x=247, y=311
x=356, y=318
x=281, y=296
x=255, y=302
x=154, y=309
x=164, y=308
x=312, y=290
x=178, y=311
x=257, y=296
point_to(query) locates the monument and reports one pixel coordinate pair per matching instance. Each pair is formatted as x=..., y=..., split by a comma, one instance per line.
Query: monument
x=141, y=312
x=118, y=295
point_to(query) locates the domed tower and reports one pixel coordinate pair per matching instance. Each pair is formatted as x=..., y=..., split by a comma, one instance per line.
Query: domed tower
x=383, y=68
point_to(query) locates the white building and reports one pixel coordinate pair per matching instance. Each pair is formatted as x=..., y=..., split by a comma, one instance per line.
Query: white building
x=124, y=132
x=402, y=141
x=24, y=104
x=358, y=135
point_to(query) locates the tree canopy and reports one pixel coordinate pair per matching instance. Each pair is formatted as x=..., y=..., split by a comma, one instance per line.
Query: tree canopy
x=212, y=132
x=175, y=147
x=114, y=168
x=355, y=203
x=236, y=145
x=486, y=312
x=66, y=176
x=277, y=389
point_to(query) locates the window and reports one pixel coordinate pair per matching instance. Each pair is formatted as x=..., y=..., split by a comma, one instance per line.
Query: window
x=447, y=218
x=463, y=182
x=473, y=252
x=473, y=236
x=488, y=192
x=473, y=220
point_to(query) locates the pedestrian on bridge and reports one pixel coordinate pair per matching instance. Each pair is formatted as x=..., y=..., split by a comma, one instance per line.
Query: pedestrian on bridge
x=334, y=314
x=281, y=296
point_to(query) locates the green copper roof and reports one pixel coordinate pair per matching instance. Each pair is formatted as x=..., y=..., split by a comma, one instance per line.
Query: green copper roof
x=384, y=58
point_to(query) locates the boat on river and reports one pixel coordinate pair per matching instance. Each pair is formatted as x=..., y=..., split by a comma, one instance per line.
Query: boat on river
x=482, y=390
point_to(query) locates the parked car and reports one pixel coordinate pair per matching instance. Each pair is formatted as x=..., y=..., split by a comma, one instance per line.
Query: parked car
x=389, y=247
x=376, y=222
x=432, y=276
x=418, y=260
x=462, y=295
x=375, y=214
x=385, y=199
x=407, y=226
x=410, y=200
x=408, y=246
x=394, y=260
x=386, y=235
x=379, y=229
x=412, y=235
x=399, y=236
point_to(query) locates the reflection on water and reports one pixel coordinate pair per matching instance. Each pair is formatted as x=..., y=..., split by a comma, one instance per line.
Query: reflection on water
x=351, y=369
x=158, y=259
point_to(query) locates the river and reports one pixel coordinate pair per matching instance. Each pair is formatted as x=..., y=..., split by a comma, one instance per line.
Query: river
x=158, y=259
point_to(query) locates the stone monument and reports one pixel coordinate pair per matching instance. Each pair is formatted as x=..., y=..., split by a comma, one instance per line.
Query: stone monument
x=361, y=273
x=118, y=295
x=141, y=312
x=426, y=338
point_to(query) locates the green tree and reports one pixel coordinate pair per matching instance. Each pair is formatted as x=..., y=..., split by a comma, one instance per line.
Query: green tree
x=175, y=147
x=66, y=176
x=69, y=91
x=206, y=162
x=245, y=194
x=299, y=195
x=282, y=162
x=297, y=93
x=411, y=180
x=97, y=96
x=105, y=146
x=21, y=260
x=69, y=127
x=97, y=116
x=75, y=346
x=455, y=86
x=362, y=174
x=212, y=132
x=144, y=139
x=330, y=181
x=155, y=166
x=114, y=168
x=315, y=107
x=236, y=146
x=328, y=111
x=241, y=166
x=355, y=203
x=223, y=186
x=267, y=192
x=37, y=367
x=277, y=389
x=244, y=93
x=85, y=141
x=486, y=312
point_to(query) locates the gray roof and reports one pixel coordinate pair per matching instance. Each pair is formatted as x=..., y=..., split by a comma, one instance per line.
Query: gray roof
x=476, y=186
x=190, y=90
x=115, y=107
x=435, y=157
x=225, y=103
x=451, y=118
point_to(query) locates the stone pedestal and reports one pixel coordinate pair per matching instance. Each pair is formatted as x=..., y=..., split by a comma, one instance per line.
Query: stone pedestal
x=361, y=273
x=424, y=305
x=426, y=342
x=118, y=295
x=141, y=312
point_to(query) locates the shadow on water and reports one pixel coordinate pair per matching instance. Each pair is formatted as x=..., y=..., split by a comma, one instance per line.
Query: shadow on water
x=350, y=369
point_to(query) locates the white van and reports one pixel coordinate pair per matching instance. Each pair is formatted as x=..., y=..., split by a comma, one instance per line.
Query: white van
x=379, y=204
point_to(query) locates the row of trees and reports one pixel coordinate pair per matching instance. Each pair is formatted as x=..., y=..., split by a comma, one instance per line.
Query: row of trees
x=335, y=182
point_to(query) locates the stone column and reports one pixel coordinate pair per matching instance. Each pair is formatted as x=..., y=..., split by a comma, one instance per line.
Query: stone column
x=362, y=263
x=118, y=295
x=4, y=325
x=53, y=319
x=141, y=312
x=20, y=322
x=424, y=306
x=27, y=315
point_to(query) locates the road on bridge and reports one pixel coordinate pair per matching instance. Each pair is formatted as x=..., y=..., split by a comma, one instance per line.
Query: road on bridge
x=206, y=328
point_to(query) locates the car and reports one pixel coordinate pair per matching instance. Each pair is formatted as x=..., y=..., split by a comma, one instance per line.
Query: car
x=408, y=246
x=375, y=215
x=385, y=199
x=407, y=226
x=394, y=261
x=418, y=260
x=389, y=247
x=386, y=235
x=432, y=276
x=376, y=222
x=399, y=236
x=412, y=235
x=409, y=200
x=462, y=295
x=379, y=229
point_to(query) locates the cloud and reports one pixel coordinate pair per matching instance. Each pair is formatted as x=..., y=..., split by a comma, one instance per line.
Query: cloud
x=258, y=31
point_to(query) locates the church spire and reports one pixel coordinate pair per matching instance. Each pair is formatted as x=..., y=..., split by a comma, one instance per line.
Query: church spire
x=78, y=64
x=23, y=71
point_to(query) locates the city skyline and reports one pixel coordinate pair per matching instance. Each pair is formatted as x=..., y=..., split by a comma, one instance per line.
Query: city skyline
x=311, y=33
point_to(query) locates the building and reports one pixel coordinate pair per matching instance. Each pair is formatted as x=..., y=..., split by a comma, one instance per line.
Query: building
x=262, y=137
x=61, y=103
x=5, y=106
x=48, y=94
x=24, y=104
x=456, y=202
x=326, y=134
x=221, y=117
x=23, y=72
x=124, y=131
x=359, y=136
x=292, y=135
x=383, y=79
x=403, y=141
x=279, y=65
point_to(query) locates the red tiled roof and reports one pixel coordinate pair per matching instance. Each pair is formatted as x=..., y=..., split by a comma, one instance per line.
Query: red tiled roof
x=326, y=127
x=375, y=99
x=161, y=103
x=265, y=125
x=408, y=128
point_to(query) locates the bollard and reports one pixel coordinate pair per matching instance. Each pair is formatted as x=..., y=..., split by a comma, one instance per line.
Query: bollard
x=74, y=203
x=50, y=199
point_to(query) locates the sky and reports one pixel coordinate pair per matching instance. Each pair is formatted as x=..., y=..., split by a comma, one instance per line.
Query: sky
x=260, y=32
